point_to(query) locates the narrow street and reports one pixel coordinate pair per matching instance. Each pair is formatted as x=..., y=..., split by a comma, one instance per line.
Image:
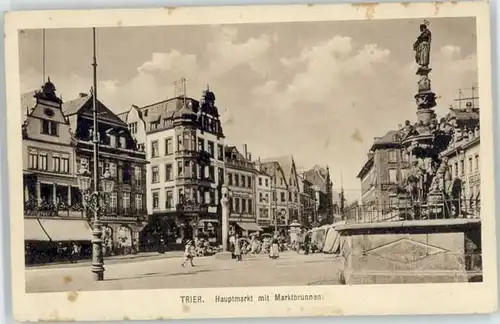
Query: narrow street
x=290, y=269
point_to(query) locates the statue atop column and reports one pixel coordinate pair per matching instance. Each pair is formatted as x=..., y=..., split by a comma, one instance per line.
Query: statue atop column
x=422, y=46
x=425, y=98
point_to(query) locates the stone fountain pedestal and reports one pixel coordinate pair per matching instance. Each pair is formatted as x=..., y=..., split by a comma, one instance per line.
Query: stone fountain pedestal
x=416, y=251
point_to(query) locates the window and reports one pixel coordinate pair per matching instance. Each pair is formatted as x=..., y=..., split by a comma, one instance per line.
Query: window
x=261, y=197
x=168, y=146
x=470, y=165
x=138, y=202
x=295, y=197
x=221, y=175
x=211, y=173
x=237, y=205
x=132, y=128
x=156, y=200
x=33, y=163
x=260, y=181
x=220, y=152
x=126, y=201
x=249, y=182
x=243, y=205
x=392, y=156
x=250, y=202
x=65, y=164
x=126, y=173
x=230, y=179
x=145, y=113
x=113, y=200
x=462, y=167
x=456, y=169
x=393, y=176
x=42, y=161
x=168, y=172
x=243, y=181
x=283, y=198
x=112, y=169
x=154, y=149
x=156, y=174
x=267, y=182
x=201, y=144
x=49, y=127
x=167, y=122
x=211, y=148
x=179, y=169
x=169, y=199
x=211, y=195
x=56, y=163
x=181, y=195
x=185, y=141
x=138, y=175
x=179, y=143
x=477, y=162
x=236, y=180
x=154, y=125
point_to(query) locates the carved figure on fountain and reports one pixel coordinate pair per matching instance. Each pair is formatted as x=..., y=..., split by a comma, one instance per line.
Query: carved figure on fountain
x=424, y=84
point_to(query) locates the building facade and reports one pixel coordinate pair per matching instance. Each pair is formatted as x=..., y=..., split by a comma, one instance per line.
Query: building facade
x=184, y=142
x=125, y=214
x=322, y=185
x=263, y=195
x=463, y=162
x=307, y=201
x=53, y=209
x=241, y=174
x=383, y=172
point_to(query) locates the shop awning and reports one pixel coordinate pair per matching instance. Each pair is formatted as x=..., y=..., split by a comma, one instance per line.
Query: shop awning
x=33, y=230
x=249, y=226
x=67, y=229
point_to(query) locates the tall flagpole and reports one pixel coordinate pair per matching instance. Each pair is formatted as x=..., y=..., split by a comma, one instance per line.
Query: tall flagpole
x=97, y=255
x=43, y=56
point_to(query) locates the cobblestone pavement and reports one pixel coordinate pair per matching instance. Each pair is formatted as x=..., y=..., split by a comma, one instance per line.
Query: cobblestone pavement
x=290, y=269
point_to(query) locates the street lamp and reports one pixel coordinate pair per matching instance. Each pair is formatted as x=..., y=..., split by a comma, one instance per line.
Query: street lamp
x=92, y=199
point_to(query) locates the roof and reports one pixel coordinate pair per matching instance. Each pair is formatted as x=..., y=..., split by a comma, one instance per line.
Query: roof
x=73, y=106
x=169, y=108
x=285, y=162
x=83, y=105
x=366, y=167
x=390, y=138
x=318, y=177
x=463, y=115
x=123, y=115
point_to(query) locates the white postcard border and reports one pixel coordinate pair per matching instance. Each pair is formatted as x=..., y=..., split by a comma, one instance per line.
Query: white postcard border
x=337, y=300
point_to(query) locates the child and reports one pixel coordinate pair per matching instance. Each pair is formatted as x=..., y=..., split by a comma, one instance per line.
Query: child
x=188, y=253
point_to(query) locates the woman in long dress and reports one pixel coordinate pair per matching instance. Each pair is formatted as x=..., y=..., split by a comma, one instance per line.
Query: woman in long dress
x=274, y=252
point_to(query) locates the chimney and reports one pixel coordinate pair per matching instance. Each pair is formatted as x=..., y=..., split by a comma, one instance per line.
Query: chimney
x=250, y=157
x=245, y=152
x=258, y=165
x=83, y=95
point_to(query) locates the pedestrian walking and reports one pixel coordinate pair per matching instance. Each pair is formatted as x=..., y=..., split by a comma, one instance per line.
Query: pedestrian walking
x=75, y=251
x=307, y=241
x=188, y=253
x=237, y=249
x=274, y=252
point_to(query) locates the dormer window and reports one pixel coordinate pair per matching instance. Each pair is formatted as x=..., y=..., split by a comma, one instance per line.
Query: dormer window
x=49, y=127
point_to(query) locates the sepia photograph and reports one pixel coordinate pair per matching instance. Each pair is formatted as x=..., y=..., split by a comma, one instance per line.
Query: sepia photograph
x=297, y=153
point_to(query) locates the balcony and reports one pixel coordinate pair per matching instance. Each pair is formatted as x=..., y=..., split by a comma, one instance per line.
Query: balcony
x=180, y=154
x=32, y=209
x=192, y=207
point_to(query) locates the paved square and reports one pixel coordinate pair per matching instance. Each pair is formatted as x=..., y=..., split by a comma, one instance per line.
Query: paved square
x=290, y=269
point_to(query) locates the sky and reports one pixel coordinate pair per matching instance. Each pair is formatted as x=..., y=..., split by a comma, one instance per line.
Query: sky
x=320, y=91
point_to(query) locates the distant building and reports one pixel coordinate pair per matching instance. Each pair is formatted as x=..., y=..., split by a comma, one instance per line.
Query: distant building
x=463, y=155
x=136, y=125
x=307, y=201
x=383, y=171
x=263, y=196
x=241, y=174
x=322, y=185
x=125, y=216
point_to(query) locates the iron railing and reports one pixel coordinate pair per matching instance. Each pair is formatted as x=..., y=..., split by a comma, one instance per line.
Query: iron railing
x=53, y=210
x=414, y=210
